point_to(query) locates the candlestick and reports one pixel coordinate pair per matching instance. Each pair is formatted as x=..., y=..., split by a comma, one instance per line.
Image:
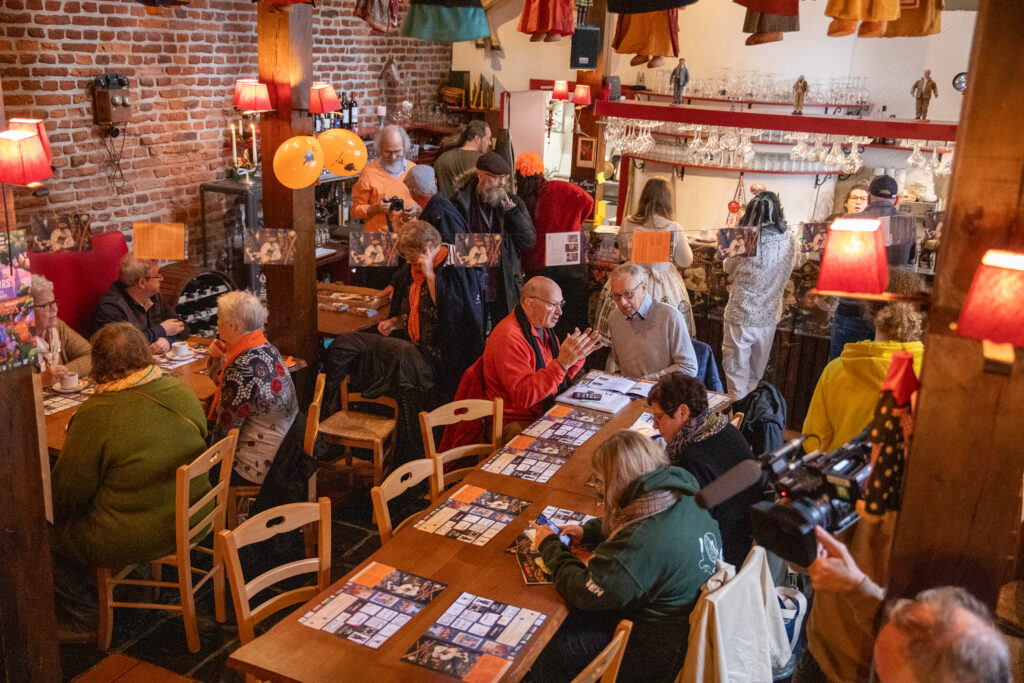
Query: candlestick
x=255, y=160
x=234, y=147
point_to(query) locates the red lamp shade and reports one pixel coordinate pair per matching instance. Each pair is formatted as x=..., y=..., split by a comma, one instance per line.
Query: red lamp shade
x=561, y=91
x=993, y=307
x=33, y=126
x=238, y=89
x=22, y=158
x=254, y=97
x=854, y=258
x=323, y=99
x=581, y=95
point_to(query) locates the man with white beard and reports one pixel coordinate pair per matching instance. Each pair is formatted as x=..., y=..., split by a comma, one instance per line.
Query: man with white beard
x=382, y=179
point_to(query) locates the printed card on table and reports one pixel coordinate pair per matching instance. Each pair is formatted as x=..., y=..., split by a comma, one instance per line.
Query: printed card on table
x=373, y=605
x=477, y=250
x=579, y=415
x=531, y=564
x=159, y=241
x=813, y=236
x=562, y=249
x=476, y=639
x=372, y=249
x=733, y=242
x=17, y=343
x=61, y=232
x=268, y=246
x=522, y=464
x=472, y=515
x=652, y=247
x=15, y=275
x=561, y=430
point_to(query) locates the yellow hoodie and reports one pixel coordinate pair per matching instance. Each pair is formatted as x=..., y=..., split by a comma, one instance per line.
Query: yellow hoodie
x=844, y=400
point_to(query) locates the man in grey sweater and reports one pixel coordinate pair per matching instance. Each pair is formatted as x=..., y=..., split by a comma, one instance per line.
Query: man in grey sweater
x=649, y=338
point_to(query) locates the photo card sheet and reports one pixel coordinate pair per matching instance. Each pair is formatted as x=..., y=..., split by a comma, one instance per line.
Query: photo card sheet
x=477, y=250
x=373, y=249
x=562, y=249
x=561, y=430
x=472, y=515
x=61, y=232
x=733, y=242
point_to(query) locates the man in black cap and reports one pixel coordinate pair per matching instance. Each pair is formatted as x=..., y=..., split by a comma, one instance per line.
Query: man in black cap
x=850, y=323
x=489, y=208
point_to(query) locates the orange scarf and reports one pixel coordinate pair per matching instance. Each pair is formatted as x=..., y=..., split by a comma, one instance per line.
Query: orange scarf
x=418, y=278
x=243, y=343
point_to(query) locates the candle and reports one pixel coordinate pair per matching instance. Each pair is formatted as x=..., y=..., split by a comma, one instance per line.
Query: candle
x=382, y=111
x=252, y=126
x=234, y=147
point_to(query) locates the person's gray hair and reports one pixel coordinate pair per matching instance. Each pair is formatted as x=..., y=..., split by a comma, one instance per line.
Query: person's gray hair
x=40, y=284
x=242, y=309
x=378, y=139
x=630, y=270
x=421, y=180
x=132, y=269
x=950, y=638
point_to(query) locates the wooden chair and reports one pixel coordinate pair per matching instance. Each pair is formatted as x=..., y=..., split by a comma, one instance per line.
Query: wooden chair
x=605, y=666
x=353, y=429
x=188, y=534
x=249, y=492
x=398, y=482
x=737, y=420
x=459, y=411
x=261, y=527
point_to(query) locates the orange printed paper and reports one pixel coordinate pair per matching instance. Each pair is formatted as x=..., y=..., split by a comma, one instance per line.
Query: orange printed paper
x=374, y=573
x=159, y=241
x=467, y=494
x=560, y=411
x=488, y=668
x=522, y=442
x=652, y=247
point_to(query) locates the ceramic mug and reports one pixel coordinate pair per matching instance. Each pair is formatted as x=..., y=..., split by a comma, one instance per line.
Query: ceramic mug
x=180, y=348
x=69, y=380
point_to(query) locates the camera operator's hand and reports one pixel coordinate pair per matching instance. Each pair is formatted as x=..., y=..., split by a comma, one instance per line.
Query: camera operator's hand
x=835, y=570
x=381, y=207
x=411, y=211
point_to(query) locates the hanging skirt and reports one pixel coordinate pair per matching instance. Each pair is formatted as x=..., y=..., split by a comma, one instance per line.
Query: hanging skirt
x=650, y=33
x=547, y=16
x=446, y=21
x=923, y=19
x=864, y=10
x=786, y=7
x=761, y=22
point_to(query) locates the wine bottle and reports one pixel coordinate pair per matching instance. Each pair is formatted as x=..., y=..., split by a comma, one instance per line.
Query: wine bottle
x=353, y=112
x=346, y=120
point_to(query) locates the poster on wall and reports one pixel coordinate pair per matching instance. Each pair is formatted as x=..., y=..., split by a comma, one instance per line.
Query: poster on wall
x=15, y=277
x=586, y=152
x=268, y=246
x=17, y=343
x=737, y=242
x=61, y=232
x=159, y=241
x=562, y=249
x=813, y=236
x=651, y=246
x=476, y=250
x=373, y=249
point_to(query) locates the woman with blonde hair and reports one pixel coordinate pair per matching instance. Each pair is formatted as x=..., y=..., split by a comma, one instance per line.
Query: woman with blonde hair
x=653, y=551
x=61, y=349
x=664, y=281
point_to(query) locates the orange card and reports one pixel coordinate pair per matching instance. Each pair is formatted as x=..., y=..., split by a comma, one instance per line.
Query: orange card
x=652, y=247
x=559, y=411
x=488, y=668
x=374, y=573
x=467, y=494
x=159, y=241
x=522, y=441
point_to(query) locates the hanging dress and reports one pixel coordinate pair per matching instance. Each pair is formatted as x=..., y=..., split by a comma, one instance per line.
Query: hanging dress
x=446, y=21
x=648, y=33
x=547, y=16
x=917, y=18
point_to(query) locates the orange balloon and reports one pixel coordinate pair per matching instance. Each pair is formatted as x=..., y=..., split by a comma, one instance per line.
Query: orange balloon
x=344, y=152
x=299, y=161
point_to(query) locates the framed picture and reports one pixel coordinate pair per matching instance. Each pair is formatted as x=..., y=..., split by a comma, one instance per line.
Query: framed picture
x=586, y=152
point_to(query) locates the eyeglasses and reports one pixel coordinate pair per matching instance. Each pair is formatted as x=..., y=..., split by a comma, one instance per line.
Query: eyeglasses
x=50, y=305
x=152, y=277
x=628, y=294
x=553, y=304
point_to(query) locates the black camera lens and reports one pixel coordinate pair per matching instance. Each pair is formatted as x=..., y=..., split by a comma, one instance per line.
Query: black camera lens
x=397, y=204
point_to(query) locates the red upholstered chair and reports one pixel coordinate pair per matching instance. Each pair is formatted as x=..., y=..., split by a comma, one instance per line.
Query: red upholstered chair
x=79, y=278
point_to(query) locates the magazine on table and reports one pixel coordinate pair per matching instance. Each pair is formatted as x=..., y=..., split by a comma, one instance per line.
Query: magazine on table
x=531, y=564
x=605, y=392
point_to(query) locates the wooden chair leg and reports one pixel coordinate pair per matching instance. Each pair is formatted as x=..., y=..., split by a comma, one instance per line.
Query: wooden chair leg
x=378, y=462
x=188, y=603
x=311, y=488
x=232, y=512
x=219, y=612
x=105, y=628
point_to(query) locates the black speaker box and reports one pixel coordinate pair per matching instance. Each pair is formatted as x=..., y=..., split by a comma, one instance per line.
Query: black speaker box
x=586, y=46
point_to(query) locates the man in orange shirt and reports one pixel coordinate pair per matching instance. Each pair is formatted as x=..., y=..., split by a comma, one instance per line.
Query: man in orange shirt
x=523, y=362
x=382, y=179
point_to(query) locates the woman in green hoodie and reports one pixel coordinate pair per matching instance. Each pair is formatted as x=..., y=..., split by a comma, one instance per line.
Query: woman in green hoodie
x=653, y=551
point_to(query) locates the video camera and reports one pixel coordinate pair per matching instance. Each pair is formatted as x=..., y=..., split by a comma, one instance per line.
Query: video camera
x=814, y=490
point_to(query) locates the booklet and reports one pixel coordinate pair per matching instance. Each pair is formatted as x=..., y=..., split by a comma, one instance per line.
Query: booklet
x=613, y=391
x=562, y=249
x=603, y=381
x=531, y=564
x=476, y=639
x=373, y=605
x=472, y=515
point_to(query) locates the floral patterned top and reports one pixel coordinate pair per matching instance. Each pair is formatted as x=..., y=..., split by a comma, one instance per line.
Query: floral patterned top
x=257, y=397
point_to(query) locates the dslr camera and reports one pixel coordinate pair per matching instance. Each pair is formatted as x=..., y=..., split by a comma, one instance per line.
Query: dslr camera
x=396, y=204
x=813, y=490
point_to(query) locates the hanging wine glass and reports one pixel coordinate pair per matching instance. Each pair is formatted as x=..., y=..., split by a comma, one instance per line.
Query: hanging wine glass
x=695, y=150
x=835, y=157
x=916, y=159
x=800, y=151
x=817, y=154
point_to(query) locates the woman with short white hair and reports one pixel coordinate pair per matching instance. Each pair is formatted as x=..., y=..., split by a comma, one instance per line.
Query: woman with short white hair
x=61, y=349
x=255, y=393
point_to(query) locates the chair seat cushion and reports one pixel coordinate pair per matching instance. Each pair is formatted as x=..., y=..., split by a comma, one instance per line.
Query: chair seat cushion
x=352, y=425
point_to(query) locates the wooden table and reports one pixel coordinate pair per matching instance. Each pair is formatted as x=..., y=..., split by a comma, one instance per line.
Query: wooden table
x=291, y=651
x=333, y=323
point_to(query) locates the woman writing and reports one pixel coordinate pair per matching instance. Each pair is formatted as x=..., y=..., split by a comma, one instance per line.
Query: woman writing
x=61, y=349
x=653, y=551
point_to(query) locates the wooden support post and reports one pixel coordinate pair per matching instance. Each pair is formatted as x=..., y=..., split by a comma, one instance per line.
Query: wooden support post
x=28, y=627
x=285, y=35
x=961, y=512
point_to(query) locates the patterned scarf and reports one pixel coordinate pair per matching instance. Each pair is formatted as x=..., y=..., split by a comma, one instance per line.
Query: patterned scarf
x=146, y=375
x=418, y=278
x=48, y=344
x=641, y=508
x=698, y=428
x=242, y=344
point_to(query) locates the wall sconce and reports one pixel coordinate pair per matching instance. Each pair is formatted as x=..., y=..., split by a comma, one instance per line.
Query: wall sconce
x=992, y=311
x=323, y=99
x=854, y=259
x=22, y=158
x=252, y=96
x=33, y=126
x=560, y=91
x=581, y=95
x=238, y=89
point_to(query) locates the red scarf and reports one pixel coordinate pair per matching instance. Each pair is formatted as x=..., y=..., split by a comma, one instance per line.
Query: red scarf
x=243, y=343
x=418, y=278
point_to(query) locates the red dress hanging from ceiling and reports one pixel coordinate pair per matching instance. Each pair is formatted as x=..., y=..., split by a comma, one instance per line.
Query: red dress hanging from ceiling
x=648, y=33
x=547, y=17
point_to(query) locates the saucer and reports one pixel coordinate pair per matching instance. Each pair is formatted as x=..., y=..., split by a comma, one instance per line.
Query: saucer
x=189, y=356
x=81, y=385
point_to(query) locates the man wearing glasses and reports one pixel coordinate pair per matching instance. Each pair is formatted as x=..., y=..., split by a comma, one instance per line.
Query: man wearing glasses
x=135, y=298
x=524, y=364
x=649, y=338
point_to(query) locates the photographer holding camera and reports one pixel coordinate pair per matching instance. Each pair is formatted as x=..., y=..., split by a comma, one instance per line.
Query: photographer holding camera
x=380, y=195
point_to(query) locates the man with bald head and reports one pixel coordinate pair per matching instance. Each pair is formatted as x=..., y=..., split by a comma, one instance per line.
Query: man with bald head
x=524, y=364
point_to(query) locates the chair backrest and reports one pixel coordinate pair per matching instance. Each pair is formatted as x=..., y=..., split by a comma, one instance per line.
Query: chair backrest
x=188, y=534
x=401, y=480
x=355, y=397
x=267, y=524
x=452, y=413
x=737, y=420
x=313, y=415
x=605, y=666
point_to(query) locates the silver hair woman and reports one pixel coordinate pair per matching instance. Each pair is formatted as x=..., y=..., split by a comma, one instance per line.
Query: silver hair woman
x=61, y=349
x=255, y=393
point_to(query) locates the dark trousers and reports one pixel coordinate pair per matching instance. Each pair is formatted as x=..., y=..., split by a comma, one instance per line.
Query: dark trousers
x=846, y=330
x=807, y=670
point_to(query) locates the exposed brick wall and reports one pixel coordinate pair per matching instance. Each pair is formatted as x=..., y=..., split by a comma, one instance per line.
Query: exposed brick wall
x=182, y=65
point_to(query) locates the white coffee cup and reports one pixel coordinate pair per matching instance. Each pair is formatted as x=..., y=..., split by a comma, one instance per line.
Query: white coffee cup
x=69, y=380
x=180, y=348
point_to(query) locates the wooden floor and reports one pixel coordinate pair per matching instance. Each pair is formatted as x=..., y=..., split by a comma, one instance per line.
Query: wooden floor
x=125, y=669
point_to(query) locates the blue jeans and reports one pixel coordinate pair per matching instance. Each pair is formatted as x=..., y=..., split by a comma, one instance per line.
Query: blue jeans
x=846, y=330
